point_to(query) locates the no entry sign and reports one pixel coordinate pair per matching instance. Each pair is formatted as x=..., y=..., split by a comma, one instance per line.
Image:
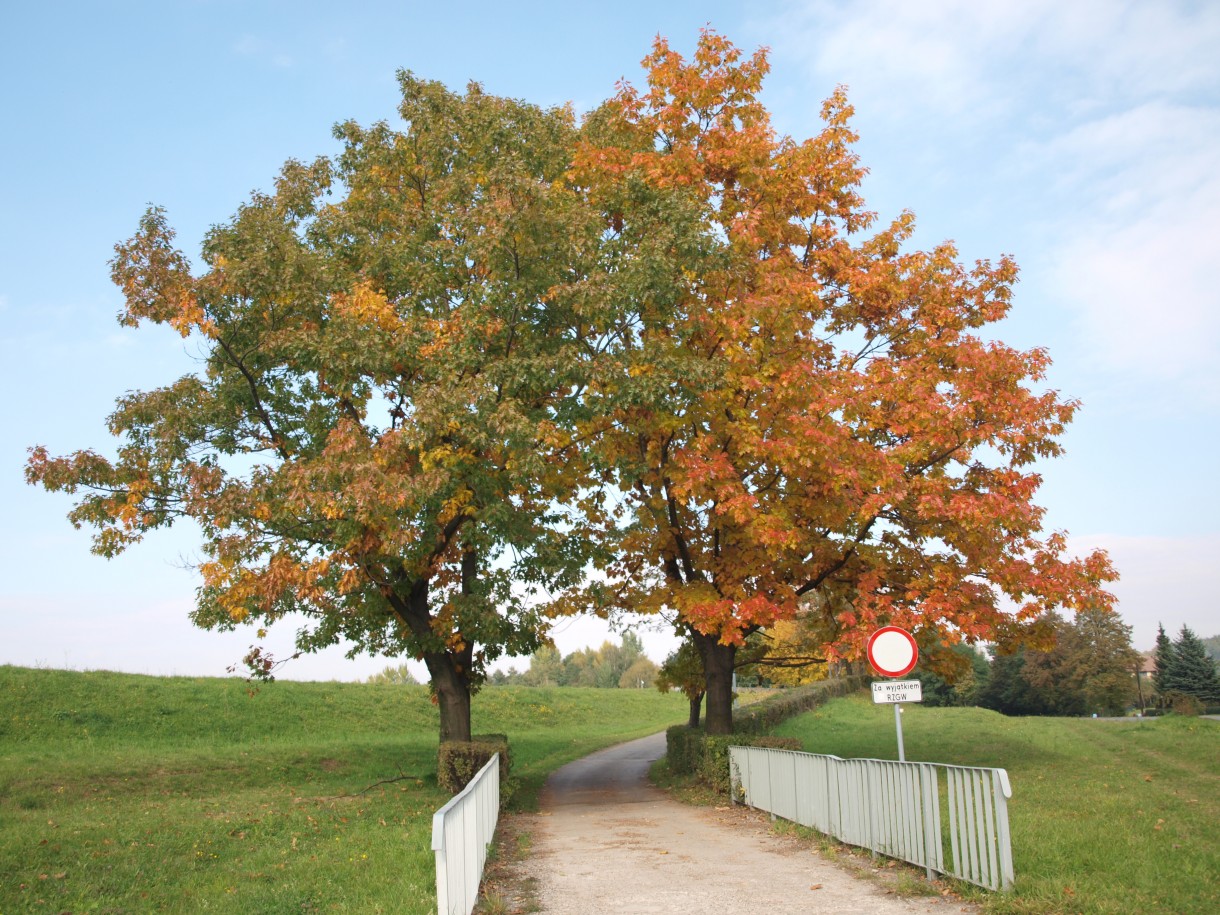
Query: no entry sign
x=892, y=651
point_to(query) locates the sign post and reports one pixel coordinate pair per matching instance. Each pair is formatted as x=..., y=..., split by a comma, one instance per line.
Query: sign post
x=892, y=652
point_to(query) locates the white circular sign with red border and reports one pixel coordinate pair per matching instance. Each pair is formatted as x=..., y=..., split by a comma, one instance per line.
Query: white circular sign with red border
x=892, y=651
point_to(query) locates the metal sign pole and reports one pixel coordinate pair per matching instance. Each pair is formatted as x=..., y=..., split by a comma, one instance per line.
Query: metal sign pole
x=902, y=757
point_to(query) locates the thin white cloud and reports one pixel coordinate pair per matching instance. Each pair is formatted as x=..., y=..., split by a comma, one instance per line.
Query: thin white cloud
x=1162, y=580
x=1136, y=258
x=1092, y=126
x=262, y=50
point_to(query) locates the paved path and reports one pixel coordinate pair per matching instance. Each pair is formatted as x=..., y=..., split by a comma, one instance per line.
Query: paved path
x=606, y=841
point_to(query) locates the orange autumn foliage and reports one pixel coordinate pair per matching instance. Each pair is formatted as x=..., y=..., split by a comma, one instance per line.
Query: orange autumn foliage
x=807, y=408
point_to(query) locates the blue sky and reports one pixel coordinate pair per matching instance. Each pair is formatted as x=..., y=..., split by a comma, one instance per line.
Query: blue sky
x=1082, y=138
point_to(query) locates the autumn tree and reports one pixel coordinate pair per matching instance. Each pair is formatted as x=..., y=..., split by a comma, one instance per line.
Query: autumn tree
x=683, y=670
x=1084, y=668
x=804, y=408
x=546, y=667
x=605, y=667
x=642, y=673
x=787, y=653
x=1088, y=670
x=391, y=368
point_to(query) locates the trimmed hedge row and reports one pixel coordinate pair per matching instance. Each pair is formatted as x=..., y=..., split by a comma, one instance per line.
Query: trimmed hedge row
x=458, y=761
x=689, y=751
x=764, y=716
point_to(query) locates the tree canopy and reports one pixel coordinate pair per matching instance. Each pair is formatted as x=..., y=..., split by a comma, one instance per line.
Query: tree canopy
x=374, y=437
x=808, y=409
x=1085, y=665
x=477, y=354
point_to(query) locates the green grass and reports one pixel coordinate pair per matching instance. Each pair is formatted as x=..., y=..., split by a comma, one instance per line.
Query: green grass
x=122, y=793
x=1107, y=816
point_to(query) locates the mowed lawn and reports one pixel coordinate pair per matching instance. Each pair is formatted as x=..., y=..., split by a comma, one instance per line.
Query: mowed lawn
x=1107, y=816
x=123, y=793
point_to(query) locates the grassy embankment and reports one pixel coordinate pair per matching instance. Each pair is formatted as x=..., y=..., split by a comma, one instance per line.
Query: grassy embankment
x=1107, y=816
x=122, y=793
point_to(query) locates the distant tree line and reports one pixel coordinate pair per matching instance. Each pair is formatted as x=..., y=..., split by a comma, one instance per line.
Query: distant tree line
x=623, y=666
x=1079, y=666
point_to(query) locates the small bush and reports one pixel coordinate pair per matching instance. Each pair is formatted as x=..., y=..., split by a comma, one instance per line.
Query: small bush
x=1184, y=704
x=683, y=747
x=458, y=761
x=713, y=768
x=692, y=752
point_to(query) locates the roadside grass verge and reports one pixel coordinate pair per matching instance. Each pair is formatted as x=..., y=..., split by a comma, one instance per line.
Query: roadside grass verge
x=1106, y=816
x=122, y=793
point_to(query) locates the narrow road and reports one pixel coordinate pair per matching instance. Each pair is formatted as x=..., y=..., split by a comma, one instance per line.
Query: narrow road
x=606, y=841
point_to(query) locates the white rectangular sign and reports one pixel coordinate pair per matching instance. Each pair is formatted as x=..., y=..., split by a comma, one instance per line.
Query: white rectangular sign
x=897, y=691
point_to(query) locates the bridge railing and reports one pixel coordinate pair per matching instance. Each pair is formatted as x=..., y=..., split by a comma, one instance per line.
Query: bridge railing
x=461, y=832
x=956, y=826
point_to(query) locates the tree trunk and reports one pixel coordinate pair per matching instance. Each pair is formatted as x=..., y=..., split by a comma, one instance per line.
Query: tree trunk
x=695, y=704
x=718, y=674
x=452, y=694
x=449, y=670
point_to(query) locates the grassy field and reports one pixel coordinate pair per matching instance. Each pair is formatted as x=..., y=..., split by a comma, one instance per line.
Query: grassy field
x=130, y=794
x=1107, y=816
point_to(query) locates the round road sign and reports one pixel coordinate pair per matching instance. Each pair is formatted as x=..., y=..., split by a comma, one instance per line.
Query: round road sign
x=892, y=651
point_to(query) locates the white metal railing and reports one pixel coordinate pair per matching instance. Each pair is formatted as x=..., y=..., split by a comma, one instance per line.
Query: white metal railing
x=461, y=832
x=893, y=808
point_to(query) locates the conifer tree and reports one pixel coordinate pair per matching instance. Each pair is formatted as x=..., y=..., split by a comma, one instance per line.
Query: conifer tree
x=1193, y=672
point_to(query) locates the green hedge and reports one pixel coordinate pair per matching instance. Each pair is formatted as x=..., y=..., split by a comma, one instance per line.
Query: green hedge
x=762, y=717
x=713, y=768
x=683, y=747
x=690, y=751
x=458, y=761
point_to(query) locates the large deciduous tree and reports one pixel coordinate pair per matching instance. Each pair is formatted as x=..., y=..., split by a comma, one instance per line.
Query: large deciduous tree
x=1082, y=666
x=391, y=354
x=805, y=409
